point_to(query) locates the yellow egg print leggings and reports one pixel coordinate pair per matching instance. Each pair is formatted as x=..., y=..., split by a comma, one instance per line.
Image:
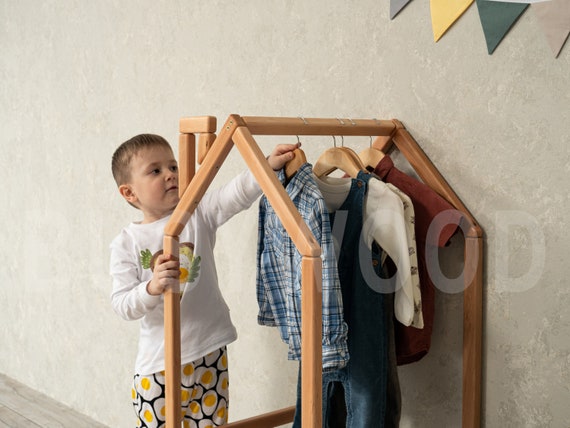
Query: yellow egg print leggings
x=204, y=394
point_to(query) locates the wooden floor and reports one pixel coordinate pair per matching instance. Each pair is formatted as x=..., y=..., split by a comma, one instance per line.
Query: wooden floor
x=22, y=407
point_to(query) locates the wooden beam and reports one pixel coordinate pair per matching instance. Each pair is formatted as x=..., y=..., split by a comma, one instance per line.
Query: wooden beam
x=172, y=343
x=205, y=141
x=197, y=124
x=472, y=330
x=311, y=342
x=317, y=126
x=186, y=161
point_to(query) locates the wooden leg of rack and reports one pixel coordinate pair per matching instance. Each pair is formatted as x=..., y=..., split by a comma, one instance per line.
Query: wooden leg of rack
x=204, y=144
x=186, y=161
x=472, y=332
x=311, y=347
x=172, y=344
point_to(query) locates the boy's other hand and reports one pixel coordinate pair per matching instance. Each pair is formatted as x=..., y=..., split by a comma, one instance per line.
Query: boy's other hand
x=166, y=273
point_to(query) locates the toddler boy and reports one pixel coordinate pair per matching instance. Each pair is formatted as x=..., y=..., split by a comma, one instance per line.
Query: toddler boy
x=146, y=174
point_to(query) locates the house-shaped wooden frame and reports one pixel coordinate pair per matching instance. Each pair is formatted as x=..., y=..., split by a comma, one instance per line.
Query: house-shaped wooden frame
x=193, y=184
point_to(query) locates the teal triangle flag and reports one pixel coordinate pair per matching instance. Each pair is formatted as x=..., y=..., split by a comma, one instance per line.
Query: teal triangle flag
x=497, y=18
x=396, y=6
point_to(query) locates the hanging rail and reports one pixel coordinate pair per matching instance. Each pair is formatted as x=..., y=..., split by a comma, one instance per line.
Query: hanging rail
x=258, y=125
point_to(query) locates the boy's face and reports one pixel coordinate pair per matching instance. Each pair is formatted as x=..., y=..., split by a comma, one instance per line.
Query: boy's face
x=153, y=186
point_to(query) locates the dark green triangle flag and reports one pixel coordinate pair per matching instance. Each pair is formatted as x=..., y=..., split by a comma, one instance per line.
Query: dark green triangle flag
x=497, y=18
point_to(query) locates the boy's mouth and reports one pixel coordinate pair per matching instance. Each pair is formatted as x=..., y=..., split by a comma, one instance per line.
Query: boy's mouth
x=172, y=188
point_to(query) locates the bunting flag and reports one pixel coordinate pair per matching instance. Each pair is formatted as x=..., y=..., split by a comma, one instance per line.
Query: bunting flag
x=396, y=6
x=554, y=19
x=444, y=13
x=497, y=18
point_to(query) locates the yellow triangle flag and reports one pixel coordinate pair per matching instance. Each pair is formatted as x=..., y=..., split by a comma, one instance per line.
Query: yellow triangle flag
x=444, y=13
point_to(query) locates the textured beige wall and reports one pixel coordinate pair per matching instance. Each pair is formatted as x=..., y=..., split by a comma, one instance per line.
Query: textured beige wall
x=79, y=77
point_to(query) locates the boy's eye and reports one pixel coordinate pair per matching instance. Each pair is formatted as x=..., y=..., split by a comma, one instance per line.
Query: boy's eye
x=174, y=168
x=155, y=171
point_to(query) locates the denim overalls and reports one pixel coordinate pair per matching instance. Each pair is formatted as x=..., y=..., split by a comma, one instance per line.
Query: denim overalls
x=363, y=380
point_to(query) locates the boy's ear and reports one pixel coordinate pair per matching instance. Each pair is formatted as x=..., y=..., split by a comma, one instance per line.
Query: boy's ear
x=127, y=192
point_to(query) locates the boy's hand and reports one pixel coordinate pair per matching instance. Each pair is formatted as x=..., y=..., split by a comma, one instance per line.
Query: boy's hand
x=166, y=273
x=282, y=153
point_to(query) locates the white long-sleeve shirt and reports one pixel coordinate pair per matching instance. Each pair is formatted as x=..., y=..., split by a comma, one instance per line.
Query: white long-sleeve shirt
x=205, y=323
x=384, y=221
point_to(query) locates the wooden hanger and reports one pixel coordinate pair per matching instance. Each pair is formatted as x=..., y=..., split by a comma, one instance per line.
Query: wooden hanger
x=371, y=156
x=294, y=164
x=342, y=158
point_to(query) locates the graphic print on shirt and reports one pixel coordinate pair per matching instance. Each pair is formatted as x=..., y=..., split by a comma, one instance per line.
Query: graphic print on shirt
x=189, y=264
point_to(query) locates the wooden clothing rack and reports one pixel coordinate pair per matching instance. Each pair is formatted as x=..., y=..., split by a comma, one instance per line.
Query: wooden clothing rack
x=211, y=153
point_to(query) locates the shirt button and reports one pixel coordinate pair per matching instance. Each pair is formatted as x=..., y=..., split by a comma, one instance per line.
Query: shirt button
x=359, y=183
x=374, y=262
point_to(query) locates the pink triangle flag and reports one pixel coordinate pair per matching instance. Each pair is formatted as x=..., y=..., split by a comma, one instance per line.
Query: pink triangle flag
x=554, y=19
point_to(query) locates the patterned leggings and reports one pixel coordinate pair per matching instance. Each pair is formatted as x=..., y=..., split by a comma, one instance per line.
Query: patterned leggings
x=204, y=394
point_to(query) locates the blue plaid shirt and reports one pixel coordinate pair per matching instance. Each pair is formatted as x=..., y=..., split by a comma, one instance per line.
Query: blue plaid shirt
x=279, y=272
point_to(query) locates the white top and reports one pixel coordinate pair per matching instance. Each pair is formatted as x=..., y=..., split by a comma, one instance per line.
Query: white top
x=384, y=222
x=205, y=323
x=409, y=217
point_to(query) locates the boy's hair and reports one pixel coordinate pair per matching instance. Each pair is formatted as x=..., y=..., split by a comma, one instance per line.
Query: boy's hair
x=121, y=162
